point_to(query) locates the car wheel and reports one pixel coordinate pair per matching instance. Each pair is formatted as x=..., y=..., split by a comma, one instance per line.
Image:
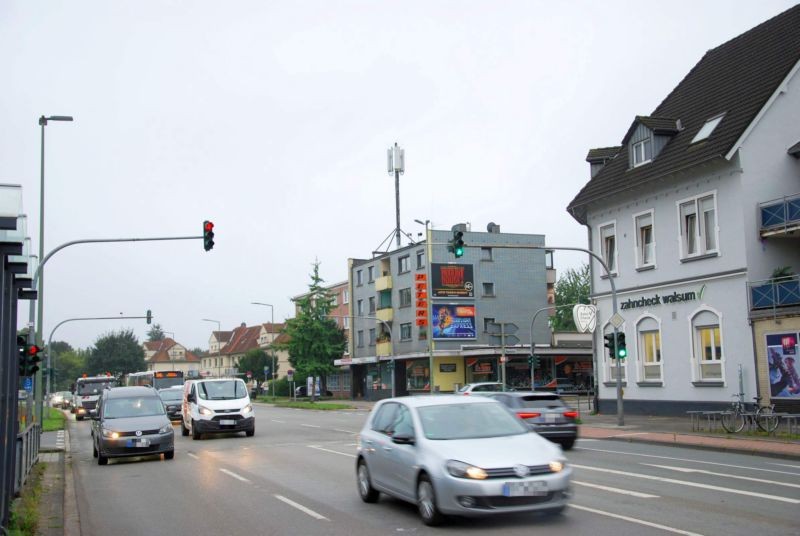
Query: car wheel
x=102, y=460
x=365, y=490
x=567, y=444
x=94, y=450
x=77, y=418
x=195, y=432
x=184, y=430
x=169, y=454
x=426, y=502
x=251, y=432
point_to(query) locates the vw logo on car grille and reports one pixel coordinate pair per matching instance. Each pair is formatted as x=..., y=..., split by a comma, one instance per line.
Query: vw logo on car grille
x=521, y=470
x=139, y=433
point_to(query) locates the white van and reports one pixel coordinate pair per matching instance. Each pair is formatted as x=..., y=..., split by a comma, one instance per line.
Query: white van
x=217, y=406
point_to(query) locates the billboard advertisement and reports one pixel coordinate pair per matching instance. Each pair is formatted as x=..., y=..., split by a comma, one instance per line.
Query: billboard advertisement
x=452, y=281
x=784, y=378
x=452, y=321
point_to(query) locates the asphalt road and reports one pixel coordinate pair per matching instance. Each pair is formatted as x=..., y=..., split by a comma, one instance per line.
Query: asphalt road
x=296, y=476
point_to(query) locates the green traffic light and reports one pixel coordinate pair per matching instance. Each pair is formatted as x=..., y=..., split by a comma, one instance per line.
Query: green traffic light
x=623, y=353
x=459, y=251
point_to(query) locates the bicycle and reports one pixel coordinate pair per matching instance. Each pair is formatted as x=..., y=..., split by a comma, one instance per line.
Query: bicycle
x=733, y=421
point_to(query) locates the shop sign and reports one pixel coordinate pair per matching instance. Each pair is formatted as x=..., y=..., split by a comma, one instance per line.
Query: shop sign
x=451, y=321
x=658, y=299
x=452, y=281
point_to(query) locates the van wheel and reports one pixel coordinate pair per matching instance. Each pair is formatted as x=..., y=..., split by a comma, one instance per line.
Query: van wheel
x=251, y=432
x=102, y=460
x=184, y=430
x=169, y=454
x=195, y=432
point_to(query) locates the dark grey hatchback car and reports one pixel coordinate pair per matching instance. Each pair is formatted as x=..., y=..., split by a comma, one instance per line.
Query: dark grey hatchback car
x=545, y=413
x=131, y=421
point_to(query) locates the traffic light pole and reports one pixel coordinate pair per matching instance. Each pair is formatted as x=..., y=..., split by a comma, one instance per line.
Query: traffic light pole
x=35, y=329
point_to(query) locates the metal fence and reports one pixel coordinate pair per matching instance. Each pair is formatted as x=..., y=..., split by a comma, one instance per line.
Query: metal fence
x=27, y=454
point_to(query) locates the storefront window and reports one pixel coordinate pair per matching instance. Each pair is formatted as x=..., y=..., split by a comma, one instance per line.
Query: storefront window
x=709, y=360
x=417, y=375
x=482, y=369
x=651, y=347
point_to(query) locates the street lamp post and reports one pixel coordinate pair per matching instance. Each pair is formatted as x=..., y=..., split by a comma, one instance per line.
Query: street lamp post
x=272, y=339
x=40, y=296
x=219, y=333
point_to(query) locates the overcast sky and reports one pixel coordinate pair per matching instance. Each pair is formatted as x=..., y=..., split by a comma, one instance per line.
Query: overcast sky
x=272, y=119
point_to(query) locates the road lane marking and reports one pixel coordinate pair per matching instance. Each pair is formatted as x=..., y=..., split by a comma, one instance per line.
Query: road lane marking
x=345, y=431
x=234, y=475
x=690, y=484
x=703, y=471
x=331, y=451
x=302, y=508
x=311, y=425
x=195, y=456
x=690, y=460
x=274, y=420
x=634, y=520
x=786, y=465
x=617, y=490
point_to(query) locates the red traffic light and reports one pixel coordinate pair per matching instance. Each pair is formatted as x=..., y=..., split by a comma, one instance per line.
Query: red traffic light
x=33, y=349
x=208, y=226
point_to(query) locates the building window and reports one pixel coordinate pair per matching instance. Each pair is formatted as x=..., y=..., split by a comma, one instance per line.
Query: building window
x=372, y=305
x=649, y=349
x=405, y=332
x=405, y=297
x=360, y=307
x=360, y=338
x=370, y=274
x=335, y=300
x=707, y=128
x=346, y=322
x=642, y=152
x=488, y=289
x=610, y=365
x=402, y=265
x=608, y=246
x=487, y=321
x=420, y=260
x=486, y=254
x=707, y=345
x=359, y=277
x=346, y=297
x=698, y=220
x=645, y=241
x=372, y=337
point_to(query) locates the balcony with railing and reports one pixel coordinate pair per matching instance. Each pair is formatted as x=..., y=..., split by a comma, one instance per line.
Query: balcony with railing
x=780, y=217
x=774, y=293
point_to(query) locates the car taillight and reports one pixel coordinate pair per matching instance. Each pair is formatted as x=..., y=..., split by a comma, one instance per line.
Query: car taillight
x=571, y=414
x=465, y=394
x=527, y=415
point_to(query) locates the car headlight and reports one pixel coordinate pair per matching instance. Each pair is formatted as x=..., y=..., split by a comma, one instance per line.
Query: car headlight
x=109, y=434
x=164, y=429
x=247, y=409
x=465, y=470
x=556, y=466
x=205, y=411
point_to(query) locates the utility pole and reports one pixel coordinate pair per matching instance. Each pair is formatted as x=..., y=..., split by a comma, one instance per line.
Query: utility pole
x=396, y=164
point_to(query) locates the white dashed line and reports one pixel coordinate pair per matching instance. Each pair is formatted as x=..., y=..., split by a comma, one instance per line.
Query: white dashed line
x=331, y=451
x=195, y=456
x=634, y=520
x=345, y=431
x=234, y=475
x=727, y=475
x=300, y=507
x=616, y=490
x=274, y=420
x=311, y=426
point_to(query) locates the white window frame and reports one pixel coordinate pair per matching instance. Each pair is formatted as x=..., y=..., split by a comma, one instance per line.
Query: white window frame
x=345, y=297
x=360, y=307
x=420, y=260
x=602, y=249
x=610, y=365
x=359, y=277
x=700, y=232
x=639, y=251
x=404, y=264
x=640, y=349
x=408, y=327
x=401, y=293
x=637, y=148
x=370, y=274
x=346, y=322
x=694, y=346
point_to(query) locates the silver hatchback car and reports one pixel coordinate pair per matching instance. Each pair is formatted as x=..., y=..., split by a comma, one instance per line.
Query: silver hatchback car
x=457, y=455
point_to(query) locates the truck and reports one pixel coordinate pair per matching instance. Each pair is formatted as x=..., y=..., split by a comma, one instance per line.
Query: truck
x=87, y=391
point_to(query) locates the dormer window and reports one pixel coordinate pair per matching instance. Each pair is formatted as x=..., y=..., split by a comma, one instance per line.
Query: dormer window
x=642, y=152
x=706, y=130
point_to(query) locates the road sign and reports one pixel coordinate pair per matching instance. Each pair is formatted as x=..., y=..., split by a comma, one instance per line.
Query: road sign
x=493, y=328
x=510, y=340
x=585, y=317
x=266, y=371
x=290, y=374
x=617, y=320
x=509, y=328
x=27, y=384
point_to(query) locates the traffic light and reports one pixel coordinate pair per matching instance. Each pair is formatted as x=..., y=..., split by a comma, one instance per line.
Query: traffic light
x=29, y=357
x=22, y=356
x=609, y=338
x=622, y=350
x=457, y=244
x=533, y=361
x=208, y=235
x=149, y=316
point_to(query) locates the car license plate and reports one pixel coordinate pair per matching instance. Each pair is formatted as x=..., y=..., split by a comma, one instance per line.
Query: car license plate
x=521, y=489
x=144, y=442
x=227, y=422
x=551, y=417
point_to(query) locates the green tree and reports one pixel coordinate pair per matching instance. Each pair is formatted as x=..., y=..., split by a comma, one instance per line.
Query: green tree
x=117, y=353
x=155, y=333
x=314, y=338
x=572, y=287
x=254, y=361
x=67, y=367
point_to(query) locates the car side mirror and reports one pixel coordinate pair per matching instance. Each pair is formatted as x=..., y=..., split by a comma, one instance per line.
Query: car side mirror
x=403, y=439
x=94, y=415
x=191, y=398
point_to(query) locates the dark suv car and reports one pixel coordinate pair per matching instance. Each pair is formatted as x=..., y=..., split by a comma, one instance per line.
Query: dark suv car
x=131, y=421
x=545, y=413
x=173, y=401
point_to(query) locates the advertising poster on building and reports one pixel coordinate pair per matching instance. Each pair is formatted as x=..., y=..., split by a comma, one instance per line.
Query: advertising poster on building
x=452, y=321
x=452, y=281
x=784, y=377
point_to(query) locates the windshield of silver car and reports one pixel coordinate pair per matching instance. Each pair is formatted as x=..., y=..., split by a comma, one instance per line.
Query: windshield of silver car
x=469, y=421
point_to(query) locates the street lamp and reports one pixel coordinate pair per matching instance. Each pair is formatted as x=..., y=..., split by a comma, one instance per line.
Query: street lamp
x=40, y=296
x=219, y=332
x=272, y=339
x=429, y=327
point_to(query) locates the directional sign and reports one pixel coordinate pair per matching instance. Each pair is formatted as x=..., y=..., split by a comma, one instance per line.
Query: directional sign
x=510, y=340
x=509, y=328
x=493, y=328
x=27, y=384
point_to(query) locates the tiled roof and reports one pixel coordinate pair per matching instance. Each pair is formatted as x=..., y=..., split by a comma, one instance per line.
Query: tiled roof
x=155, y=346
x=794, y=150
x=242, y=340
x=283, y=338
x=222, y=336
x=736, y=78
x=602, y=153
x=164, y=357
x=273, y=328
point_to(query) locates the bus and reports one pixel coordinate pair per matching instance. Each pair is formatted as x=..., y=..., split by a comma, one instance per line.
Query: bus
x=157, y=379
x=87, y=391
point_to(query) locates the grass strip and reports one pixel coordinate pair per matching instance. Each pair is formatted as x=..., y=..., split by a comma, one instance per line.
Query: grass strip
x=24, y=519
x=54, y=419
